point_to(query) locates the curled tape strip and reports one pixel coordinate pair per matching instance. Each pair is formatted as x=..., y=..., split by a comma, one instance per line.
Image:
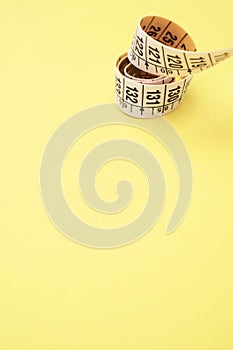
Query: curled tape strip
x=151, y=80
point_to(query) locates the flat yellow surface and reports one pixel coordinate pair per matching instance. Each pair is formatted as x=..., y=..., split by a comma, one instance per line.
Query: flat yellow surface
x=162, y=292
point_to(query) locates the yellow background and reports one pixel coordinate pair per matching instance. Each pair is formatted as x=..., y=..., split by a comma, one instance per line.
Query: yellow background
x=164, y=291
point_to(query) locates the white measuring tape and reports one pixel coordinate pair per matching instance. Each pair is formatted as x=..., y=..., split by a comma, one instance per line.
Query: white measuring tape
x=151, y=80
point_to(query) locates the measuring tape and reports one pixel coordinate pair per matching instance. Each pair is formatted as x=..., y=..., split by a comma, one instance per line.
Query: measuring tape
x=152, y=78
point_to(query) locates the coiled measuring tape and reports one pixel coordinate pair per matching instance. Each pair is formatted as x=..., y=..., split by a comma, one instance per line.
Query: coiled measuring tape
x=152, y=78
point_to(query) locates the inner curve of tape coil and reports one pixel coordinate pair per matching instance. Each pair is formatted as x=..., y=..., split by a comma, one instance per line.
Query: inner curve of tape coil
x=140, y=76
x=133, y=72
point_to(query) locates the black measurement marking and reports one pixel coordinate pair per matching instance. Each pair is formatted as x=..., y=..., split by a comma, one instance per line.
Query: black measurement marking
x=118, y=85
x=143, y=59
x=173, y=94
x=153, y=97
x=186, y=61
x=181, y=41
x=198, y=62
x=123, y=88
x=164, y=29
x=142, y=110
x=182, y=90
x=153, y=31
x=146, y=63
x=183, y=47
x=142, y=95
x=132, y=94
x=174, y=89
x=139, y=45
x=133, y=57
x=153, y=51
x=149, y=24
x=186, y=86
x=140, y=39
x=221, y=57
x=128, y=103
x=164, y=59
x=163, y=69
x=164, y=99
x=210, y=59
x=169, y=38
x=174, y=61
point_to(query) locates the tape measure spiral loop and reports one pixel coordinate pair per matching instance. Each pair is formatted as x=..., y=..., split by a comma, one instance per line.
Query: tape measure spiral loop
x=152, y=78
